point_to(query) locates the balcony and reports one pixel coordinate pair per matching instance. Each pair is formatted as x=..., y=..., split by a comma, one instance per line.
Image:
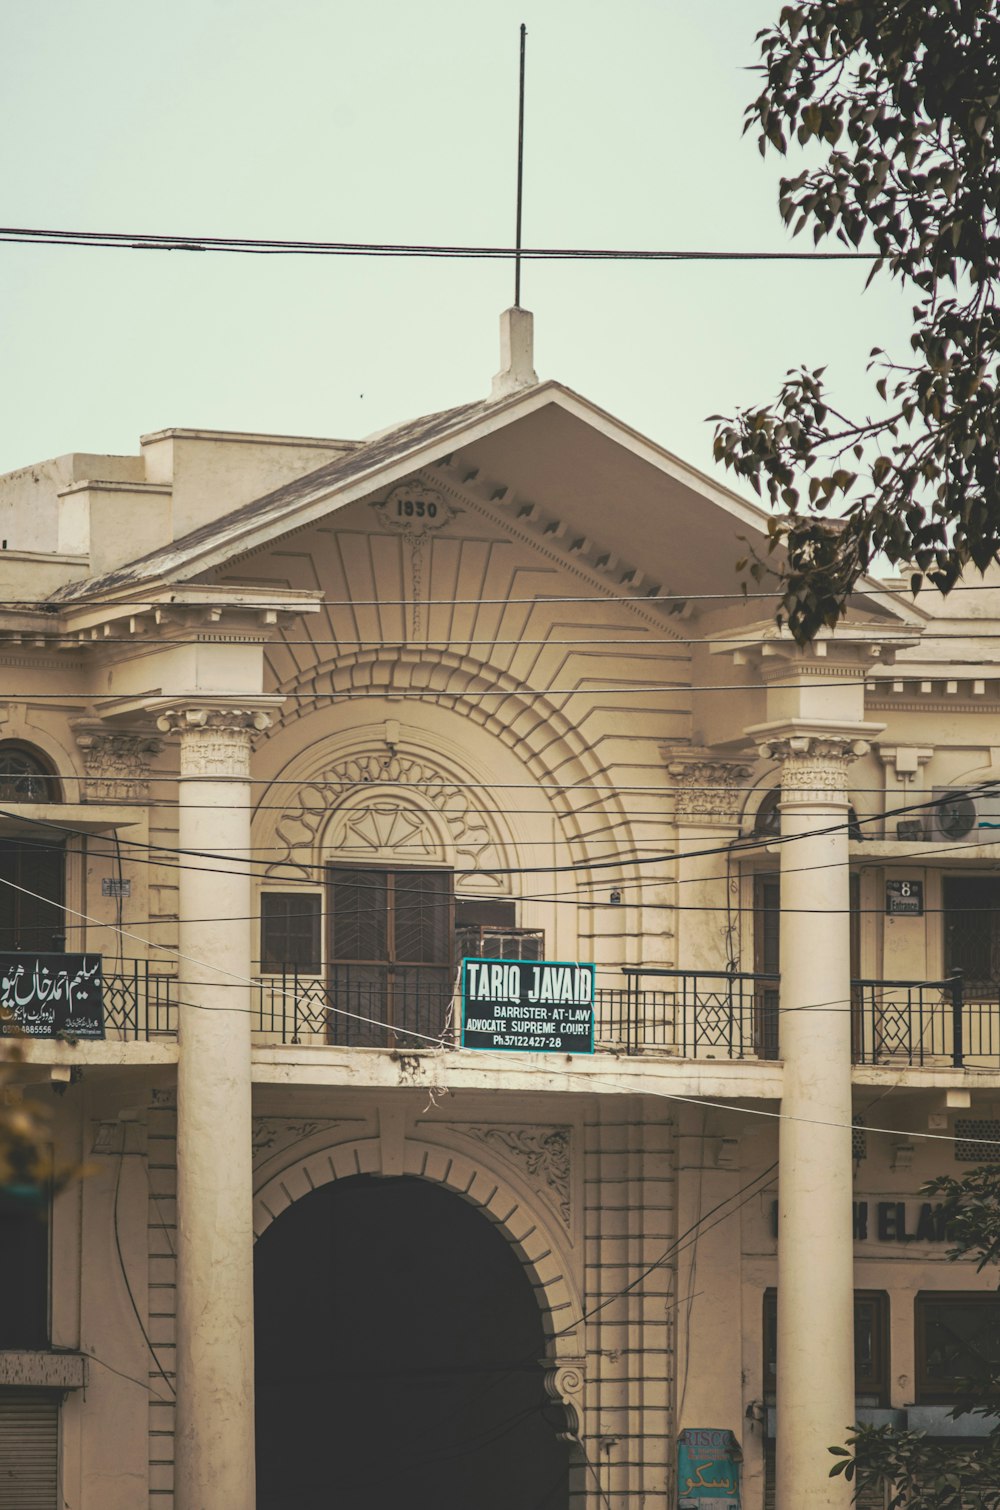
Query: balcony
x=681, y=1014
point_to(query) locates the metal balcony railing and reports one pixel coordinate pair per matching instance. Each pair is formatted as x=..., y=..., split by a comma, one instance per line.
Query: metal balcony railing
x=689, y=1014
x=926, y=1023
x=695, y=1014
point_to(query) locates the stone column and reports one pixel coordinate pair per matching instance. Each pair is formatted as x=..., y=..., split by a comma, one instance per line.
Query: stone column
x=214, y=1438
x=815, y=1395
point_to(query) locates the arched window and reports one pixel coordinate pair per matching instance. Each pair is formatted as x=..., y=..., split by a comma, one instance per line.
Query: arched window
x=25, y=775
x=767, y=819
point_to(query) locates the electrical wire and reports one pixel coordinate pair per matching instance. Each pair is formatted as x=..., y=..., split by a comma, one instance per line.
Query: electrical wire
x=638, y=641
x=157, y=241
x=124, y=1272
x=149, y=603
x=583, y=689
x=435, y=1042
x=578, y=868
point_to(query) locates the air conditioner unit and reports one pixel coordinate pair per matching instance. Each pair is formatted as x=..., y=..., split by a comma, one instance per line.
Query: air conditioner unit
x=959, y=814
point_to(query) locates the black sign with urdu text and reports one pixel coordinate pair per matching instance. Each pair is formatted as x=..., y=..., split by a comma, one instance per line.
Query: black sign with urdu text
x=51, y=996
x=536, y=1006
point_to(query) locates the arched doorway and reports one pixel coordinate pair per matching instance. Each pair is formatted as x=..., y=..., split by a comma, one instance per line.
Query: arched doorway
x=397, y=1347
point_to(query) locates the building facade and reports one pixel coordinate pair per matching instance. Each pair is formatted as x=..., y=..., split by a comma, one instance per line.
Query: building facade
x=289, y=728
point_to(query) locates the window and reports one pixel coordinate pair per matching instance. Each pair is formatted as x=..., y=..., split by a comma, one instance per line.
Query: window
x=25, y=775
x=767, y=819
x=767, y=954
x=390, y=955
x=290, y=932
x=24, y=1272
x=958, y=1342
x=31, y=913
x=972, y=931
x=871, y=1345
x=485, y=929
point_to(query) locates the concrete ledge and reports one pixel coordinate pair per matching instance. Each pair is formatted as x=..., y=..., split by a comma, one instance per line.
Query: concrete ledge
x=43, y=1370
x=938, y=1421
x=464, y=1069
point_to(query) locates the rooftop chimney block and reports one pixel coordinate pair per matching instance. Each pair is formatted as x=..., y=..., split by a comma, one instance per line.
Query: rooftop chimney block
x=517, y=363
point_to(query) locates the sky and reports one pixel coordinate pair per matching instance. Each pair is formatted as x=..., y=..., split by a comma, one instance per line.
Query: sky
x=315, y=119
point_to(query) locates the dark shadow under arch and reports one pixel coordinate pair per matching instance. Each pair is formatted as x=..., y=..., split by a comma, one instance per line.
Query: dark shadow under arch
x=398, y=1341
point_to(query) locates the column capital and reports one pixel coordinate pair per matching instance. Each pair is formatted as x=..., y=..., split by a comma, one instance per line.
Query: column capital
x=709, y=789
x=215, y=737
x=814, y=759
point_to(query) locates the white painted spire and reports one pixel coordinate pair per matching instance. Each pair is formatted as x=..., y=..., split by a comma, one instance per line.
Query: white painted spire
x=517, y=356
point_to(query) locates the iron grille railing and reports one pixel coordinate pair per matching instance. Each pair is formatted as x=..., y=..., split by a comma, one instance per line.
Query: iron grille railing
x=690, y=1014
x=704, y=1014
x=409, y=1009
x=925, y=1023
x=139, y=1000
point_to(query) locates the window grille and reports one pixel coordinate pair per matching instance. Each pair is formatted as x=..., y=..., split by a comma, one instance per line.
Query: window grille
x=859, y=1140
x=25, y=776
x=977, y=1140
x=500, y=943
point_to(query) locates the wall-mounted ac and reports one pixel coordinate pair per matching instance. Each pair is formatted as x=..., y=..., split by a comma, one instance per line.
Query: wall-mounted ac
x=958, y=815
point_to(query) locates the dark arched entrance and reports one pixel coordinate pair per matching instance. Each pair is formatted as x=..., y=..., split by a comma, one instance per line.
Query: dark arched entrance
x=397, y=1347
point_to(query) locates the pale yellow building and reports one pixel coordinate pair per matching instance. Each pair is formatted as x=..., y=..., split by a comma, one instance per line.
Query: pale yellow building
x=290, y=726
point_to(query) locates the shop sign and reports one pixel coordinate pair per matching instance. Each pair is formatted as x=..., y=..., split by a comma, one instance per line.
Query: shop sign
x=535, y=1006
x=904, y=898
x=708, y=1469
x=892, y=1222
x=51, y=996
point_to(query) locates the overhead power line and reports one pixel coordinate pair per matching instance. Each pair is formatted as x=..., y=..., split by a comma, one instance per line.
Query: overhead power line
x=142, y=241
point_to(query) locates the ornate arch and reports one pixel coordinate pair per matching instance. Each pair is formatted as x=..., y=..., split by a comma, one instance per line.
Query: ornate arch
x=503, y=1200
x=534, y=727
x=353, y=805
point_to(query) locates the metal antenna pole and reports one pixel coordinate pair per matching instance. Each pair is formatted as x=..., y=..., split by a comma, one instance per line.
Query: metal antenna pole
x=520, y=175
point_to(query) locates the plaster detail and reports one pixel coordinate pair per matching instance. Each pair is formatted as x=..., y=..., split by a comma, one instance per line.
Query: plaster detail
x=326, y=813
x=414, y=511
x=814, y=765
x=564, y=1384
x=707, y=788
x=116, y=765
x=542, y=1154
x=215, y=741
x=272, y=1134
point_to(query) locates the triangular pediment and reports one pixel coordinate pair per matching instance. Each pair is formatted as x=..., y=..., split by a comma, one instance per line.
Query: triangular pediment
x=630, y=510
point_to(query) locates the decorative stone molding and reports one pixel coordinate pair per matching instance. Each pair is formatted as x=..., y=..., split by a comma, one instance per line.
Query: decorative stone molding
x=707, y=788
x=215, y=741
x=564, y=1385
x=414, y=511
x=116, y=764
x=814, y=767
x=905, y=759
x=436, y=809
x=273, y=1134
x=541, y=1153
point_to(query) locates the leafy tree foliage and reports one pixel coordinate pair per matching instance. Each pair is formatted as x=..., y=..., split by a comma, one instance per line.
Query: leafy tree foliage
x=27, y=1168
x=918, y=1474
x=898, y=104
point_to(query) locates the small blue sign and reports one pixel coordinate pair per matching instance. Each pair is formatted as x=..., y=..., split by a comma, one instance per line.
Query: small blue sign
x=535, y=1006
x=708, y=1469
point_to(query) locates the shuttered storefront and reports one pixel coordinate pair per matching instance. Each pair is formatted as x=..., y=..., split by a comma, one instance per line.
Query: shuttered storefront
x=29, y=1449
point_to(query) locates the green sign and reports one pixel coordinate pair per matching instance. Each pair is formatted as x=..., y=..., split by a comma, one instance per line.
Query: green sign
x=708, y=1469
x=536, y=1006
